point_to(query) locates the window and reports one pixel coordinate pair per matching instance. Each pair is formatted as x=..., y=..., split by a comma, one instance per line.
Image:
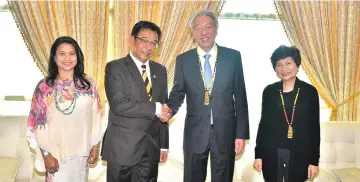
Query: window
x=18, y=72
x=256, y=35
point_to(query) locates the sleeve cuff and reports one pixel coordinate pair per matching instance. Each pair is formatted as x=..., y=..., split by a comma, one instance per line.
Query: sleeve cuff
x=315, y=161
x=257, y=153
x=166, y=150
x=158, y=108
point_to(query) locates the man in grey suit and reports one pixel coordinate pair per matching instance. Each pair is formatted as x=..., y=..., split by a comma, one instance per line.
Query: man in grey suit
x=211, y=77
x=136, y=88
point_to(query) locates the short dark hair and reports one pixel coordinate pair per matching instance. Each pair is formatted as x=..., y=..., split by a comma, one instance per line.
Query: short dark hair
x=283, y=52
x=142, y=25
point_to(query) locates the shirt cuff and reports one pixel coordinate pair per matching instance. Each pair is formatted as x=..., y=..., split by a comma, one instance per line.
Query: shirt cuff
x=158, y=108
x=164, y=150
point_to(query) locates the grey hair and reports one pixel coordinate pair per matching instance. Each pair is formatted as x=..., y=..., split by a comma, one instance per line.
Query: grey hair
x=205, y=12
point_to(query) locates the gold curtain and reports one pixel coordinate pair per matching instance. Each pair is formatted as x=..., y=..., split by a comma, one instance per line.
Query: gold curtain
x=171, y=16
x=328, y=36
x=41, y=22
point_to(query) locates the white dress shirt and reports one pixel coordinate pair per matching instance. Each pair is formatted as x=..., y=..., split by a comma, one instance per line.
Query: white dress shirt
x=212, y=58
x=139, y=64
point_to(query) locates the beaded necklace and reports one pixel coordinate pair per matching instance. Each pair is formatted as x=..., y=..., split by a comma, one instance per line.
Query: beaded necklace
x=290, y=123
x=68, y=110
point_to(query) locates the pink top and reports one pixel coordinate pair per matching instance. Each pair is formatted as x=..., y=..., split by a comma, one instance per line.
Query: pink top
x=64, y=120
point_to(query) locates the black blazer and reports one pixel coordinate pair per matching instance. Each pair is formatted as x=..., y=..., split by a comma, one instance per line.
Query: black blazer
x=133, y=127
x=230, y=116
x=305, y=145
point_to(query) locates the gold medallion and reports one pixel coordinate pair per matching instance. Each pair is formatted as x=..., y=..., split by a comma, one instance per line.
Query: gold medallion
x=207, y=97
x=290, y=132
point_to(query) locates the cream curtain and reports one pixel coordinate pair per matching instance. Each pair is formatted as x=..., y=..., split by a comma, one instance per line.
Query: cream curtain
x=41, y=22
x=171, y=16
x=328, y=36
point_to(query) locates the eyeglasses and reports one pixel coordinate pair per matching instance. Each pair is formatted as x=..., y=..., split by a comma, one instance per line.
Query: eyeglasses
x=145, y=41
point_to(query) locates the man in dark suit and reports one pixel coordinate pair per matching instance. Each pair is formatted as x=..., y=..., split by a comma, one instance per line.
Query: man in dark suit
x=211, y=77
x=136, y=87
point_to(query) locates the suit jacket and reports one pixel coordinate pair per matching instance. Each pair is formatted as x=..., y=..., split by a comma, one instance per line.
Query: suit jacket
x=305, y=144
x=133, y=127
x=227, y=101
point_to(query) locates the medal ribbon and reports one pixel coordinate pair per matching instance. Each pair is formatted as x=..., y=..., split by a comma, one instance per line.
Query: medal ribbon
x=202, y=72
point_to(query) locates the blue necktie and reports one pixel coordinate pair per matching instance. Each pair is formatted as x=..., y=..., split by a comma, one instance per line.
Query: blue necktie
x=208, y=77
x=207, y=70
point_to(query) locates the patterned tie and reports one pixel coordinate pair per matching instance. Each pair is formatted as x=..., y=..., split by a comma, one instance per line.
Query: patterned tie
x=146, y=82
x=208, y=77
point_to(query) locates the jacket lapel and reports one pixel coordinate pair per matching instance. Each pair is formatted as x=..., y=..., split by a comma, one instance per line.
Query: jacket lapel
x=134, y=71
x=219, y=68
x=195, y=69
x=154, y=80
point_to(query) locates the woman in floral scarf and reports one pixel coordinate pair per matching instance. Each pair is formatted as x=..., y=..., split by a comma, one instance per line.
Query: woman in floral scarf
x=64, y=123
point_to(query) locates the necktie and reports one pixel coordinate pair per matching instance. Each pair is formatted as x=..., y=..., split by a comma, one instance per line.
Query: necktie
x=207, y=71
x=146, y=82
x=208, y=77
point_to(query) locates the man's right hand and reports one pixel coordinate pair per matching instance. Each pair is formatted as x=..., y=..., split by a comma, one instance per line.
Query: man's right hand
x=166, y=113
x=51, y=164
x=258, y=164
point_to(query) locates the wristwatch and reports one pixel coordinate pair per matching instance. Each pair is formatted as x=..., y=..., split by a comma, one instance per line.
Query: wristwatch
x=45, y=153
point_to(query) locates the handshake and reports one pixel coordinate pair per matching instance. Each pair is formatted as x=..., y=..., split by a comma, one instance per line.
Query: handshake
x=166, y=113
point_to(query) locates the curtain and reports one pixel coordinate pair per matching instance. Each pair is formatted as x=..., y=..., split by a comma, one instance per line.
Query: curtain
x=41, y=22
x=327, y=34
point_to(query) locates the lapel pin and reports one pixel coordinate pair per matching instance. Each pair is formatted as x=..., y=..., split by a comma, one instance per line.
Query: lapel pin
x=154, y=76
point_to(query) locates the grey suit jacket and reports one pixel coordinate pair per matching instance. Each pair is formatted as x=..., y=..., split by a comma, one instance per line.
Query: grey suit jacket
x=133, y=127
x=227, y=101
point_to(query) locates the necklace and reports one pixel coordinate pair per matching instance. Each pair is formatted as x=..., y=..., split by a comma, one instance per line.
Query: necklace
x=207, y=90
x=68, y=110
x=290, y=123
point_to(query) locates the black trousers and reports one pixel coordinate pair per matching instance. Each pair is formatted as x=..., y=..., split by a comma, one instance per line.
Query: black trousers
x=222, y=165
x=144, y=171
x=283, y=165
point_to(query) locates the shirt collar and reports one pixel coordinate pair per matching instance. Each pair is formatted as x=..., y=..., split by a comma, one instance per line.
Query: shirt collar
x=212, y=51
x=138, y=62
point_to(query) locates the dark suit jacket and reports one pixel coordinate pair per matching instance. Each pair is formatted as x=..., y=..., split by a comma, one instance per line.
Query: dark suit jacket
x=230, y=117
x=305, y=145
x=133, y=127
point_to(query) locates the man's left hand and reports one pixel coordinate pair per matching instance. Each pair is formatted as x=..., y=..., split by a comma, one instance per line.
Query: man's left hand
x=163, y=156
x=239, y=146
